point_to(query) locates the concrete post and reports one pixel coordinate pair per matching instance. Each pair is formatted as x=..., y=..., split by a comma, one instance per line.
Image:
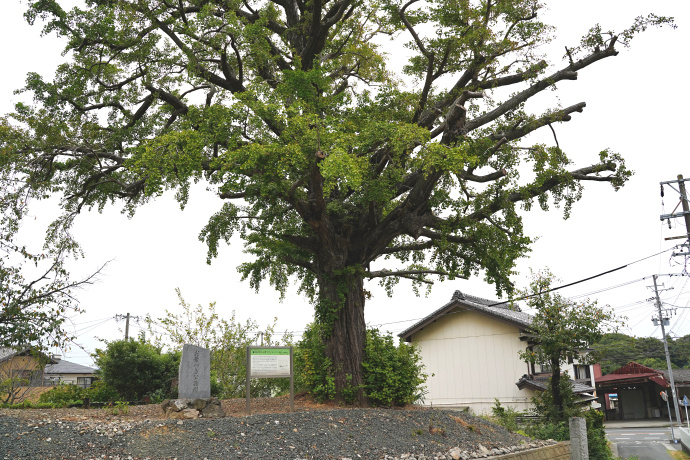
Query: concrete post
x=578, y=439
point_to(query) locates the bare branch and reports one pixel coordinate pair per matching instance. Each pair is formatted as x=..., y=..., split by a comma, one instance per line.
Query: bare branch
x=560, y=115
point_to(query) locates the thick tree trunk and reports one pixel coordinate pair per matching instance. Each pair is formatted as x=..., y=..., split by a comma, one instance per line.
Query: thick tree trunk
x=343, y=297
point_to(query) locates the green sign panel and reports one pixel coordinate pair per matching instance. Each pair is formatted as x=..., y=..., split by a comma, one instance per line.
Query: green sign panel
x=269, y=362
x=270, y=351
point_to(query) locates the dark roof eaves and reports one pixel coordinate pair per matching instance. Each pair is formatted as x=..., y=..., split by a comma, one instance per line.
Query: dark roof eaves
x=455, y=302
x=422, y=323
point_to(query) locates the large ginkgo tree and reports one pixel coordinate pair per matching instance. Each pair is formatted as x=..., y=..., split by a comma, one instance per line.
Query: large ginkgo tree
x=332, y=167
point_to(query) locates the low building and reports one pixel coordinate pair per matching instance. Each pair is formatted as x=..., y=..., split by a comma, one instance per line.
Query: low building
x=22, y=373
x=470, y=348
x=66, y=373
x=634, y=391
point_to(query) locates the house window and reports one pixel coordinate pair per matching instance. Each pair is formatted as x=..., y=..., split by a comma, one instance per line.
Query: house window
x=543, y=368
x=84, y=382
x=24, y=375
x=582, y=372
x=31, y=376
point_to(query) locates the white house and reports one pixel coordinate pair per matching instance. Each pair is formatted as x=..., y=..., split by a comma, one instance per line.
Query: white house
x=470, y=348
x=65, y=372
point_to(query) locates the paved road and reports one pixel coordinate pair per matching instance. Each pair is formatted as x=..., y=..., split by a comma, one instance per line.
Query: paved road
x=645, y=443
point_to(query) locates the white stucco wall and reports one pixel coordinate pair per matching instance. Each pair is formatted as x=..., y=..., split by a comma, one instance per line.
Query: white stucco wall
x=473, y=359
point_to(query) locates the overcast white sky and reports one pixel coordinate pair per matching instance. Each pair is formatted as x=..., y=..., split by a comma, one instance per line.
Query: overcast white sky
x=636, y=105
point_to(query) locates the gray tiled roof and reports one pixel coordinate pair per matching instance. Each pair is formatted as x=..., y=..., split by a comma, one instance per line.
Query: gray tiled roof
x=542, y=385
x=66, y=367
x=6, y=353
x=679, y=375
x=501, y=310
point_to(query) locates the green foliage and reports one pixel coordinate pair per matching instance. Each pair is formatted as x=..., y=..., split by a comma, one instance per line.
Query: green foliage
x=30, y=405
x=336, y=160
x=67, y=394
x=64, y=395
x=616, y=350
x=227, y=339
x=597, y=443
x=393, y=375
x=119, y=408
x=35, y=294
x=555, y=423
x=563, y=330
x=544, y=405
x=505, y=416
x=657, y=363
x=100, y=391
x=558, y=431
x=313, y=370
x=134, y=368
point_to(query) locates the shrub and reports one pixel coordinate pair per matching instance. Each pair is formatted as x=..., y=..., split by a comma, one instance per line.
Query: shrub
x=313, y=371
x=26, y=404
x=100, y=391
x=558, y=431
x=505, y=416
x=136, y=368
x=392, y=374
x=64, y=395
x=596, y=436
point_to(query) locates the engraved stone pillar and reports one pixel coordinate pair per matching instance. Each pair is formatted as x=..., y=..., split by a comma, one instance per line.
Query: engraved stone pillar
x=195, y=373
x=578, y=439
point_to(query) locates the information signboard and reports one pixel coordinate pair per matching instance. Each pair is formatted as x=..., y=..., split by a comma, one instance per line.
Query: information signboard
x=269, y=362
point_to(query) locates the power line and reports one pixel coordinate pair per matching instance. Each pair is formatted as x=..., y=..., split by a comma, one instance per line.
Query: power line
x=582, y=280
x=606, y=289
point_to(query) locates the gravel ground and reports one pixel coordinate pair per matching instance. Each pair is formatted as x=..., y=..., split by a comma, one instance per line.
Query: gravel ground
x=314, y=433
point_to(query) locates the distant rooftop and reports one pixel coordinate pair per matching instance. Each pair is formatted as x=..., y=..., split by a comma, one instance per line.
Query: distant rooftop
x=66, y=367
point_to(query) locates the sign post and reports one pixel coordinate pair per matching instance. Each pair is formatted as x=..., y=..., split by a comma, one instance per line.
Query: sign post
x=270, y=362
x=686, y=403
x=664, y=396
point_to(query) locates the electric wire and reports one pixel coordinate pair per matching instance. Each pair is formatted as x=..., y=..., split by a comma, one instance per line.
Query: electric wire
x=580, y=281
x=90, y=328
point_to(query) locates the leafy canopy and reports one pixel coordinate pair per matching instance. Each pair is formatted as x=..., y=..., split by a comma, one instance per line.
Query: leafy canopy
x=328, y=160
x=135, y=368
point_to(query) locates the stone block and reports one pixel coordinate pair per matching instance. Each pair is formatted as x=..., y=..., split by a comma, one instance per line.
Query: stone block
x=195, y=373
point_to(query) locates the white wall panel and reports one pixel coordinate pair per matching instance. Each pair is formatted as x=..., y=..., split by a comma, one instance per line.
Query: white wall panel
x=475, y=359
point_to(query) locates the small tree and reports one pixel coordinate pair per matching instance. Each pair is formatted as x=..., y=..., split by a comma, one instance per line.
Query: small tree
x=227, y=340
x=36, y=292
x=136, y=368
x=562, y=330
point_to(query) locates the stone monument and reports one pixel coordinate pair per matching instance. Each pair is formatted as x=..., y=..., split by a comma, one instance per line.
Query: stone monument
x=195, y=373
x=194, y=387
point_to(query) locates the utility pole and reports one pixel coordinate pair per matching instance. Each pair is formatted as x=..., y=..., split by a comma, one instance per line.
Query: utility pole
x=685, y=213
x=662, y=319
x=684, y=200
x=126, y=318
x=127, y=328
